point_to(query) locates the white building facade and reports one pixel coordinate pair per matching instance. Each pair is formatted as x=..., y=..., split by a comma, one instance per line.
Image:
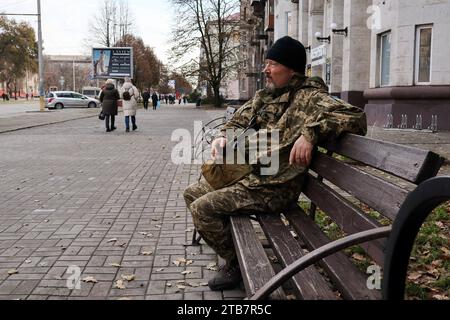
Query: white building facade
x=387, y=56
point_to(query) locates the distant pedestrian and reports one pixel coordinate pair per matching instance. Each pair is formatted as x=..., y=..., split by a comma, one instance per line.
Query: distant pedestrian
x=166, y=98
x=155, y=100
x=184, y=99
x=109, y=99
x=129, y=96
x=4, y=96
x=146, y=97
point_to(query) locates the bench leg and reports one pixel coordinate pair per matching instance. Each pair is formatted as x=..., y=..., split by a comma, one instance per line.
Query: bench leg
x=195, y=240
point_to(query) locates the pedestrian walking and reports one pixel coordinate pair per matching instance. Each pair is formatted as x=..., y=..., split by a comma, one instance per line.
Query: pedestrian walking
x=129, y=96
x=109, y=99
x=146, y=97
x=154, y=100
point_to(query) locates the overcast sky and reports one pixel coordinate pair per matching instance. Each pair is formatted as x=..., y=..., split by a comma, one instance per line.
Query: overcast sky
x=65, y=24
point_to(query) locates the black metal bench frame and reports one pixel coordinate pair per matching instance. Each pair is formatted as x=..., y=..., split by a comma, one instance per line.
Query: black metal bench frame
x=407, y=210
x=416, y=166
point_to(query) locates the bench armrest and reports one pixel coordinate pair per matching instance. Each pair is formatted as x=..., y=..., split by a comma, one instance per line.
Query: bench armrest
x=413, y=213
x=317, y=255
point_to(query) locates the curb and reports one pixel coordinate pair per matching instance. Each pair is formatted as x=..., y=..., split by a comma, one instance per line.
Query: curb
x=44, y=124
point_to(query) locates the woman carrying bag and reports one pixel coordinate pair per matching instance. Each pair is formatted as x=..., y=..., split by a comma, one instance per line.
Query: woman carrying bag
x=129, y=96
x=109, y=98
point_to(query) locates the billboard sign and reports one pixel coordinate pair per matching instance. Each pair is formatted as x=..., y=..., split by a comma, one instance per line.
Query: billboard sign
x=112, y=62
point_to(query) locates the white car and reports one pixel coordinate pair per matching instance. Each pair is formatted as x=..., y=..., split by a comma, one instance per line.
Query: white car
x=69, y=99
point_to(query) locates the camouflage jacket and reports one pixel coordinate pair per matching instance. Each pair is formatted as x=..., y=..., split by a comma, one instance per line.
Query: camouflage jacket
x=305, y=108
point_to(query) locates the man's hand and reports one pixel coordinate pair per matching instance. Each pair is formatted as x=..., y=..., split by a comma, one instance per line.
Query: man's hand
x=301, y=154
x=217, y=146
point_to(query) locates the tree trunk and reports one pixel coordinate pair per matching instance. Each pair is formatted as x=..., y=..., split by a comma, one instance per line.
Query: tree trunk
x=217, y=99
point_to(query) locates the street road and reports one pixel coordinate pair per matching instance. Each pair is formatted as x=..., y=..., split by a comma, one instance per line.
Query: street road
x=13, y=108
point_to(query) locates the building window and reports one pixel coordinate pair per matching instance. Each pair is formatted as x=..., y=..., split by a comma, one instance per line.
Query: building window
x=423, y=54
x=385, y=59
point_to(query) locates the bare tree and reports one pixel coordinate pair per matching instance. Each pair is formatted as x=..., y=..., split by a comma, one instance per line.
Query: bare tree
x=112, y=22
x=212, y=26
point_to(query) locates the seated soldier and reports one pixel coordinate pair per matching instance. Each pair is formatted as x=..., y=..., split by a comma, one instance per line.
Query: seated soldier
x=305, y=115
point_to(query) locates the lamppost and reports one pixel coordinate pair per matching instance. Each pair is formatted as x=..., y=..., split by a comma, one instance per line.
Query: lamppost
x=41, y=60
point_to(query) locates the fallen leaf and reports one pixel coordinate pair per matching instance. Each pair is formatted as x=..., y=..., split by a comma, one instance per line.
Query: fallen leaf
x=112, y=240
x=440, y=224
x=285, y=221
x=433, y=272
x=143, y=233
x=204, y=284
x=159, y=270
x=182, y=261
x=169, y=285
x=115, y=265
x=28, y=261
x=123, y=245
x=186, y=272
x=213, y=267
x=176, y=217
x=128, y=277
x=445, y=251
x=181, y=287
x=146, y=253
x=89, y=279
x=273, y=259
x=295, y=235
x=193, y=284
x=120, y=285
x=158, y=226
x=358, y=257
x=440, y=297
x=437, y=263
x=154, y=219
x=414, y=276
x=150, y=235
x=188, y=230
x=13, y=271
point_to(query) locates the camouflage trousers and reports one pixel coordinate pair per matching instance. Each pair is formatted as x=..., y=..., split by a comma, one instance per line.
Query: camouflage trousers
x=211, y=210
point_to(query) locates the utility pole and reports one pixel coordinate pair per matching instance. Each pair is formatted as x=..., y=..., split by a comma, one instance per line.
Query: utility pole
x=41, y=60
x=73, y=73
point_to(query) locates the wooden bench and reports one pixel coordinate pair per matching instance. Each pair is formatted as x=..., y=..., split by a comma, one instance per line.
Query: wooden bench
x=342, y=189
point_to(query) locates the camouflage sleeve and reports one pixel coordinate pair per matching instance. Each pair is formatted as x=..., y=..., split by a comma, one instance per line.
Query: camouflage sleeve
x=329, y=117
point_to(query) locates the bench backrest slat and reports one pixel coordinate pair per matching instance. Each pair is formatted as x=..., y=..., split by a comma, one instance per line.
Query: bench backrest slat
x=412, y=164
x=379, y=194
x=349, y=218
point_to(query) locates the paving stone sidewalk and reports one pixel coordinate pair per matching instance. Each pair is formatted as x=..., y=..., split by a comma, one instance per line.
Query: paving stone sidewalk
x=108, y=204
x=74, y=198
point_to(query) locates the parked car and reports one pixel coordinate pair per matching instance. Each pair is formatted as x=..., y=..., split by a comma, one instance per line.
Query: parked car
x=68, y=99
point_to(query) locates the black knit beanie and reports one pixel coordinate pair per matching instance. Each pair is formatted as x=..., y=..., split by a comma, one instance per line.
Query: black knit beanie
x=290, y=53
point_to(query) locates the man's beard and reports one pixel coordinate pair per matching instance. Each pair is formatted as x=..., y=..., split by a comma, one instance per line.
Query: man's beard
x=270, y=86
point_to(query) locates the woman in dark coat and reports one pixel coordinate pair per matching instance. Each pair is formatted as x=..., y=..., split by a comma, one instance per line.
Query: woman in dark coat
x=109, y=98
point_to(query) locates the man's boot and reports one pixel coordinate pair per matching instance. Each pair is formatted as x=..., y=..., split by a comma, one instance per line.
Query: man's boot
x=229, y=277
